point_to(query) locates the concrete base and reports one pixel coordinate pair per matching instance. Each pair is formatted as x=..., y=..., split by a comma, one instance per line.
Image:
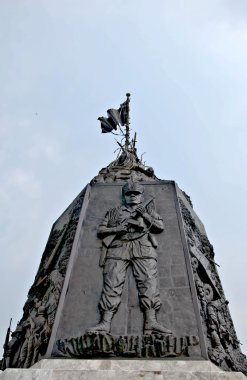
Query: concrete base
x=70, y=369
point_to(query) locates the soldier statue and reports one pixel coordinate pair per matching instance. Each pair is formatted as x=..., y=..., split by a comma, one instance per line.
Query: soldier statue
x=127, y=236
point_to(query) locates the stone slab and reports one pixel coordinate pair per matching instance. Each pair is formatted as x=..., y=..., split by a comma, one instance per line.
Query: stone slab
x=127, y=365
x=70, y=369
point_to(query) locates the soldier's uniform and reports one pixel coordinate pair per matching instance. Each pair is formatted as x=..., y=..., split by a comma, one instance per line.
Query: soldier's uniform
x=127, y=235
x=136, y=247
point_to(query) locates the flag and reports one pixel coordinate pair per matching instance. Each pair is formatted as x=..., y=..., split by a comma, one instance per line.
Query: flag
x=124, y=112
x=107, y=124
x=115, y=118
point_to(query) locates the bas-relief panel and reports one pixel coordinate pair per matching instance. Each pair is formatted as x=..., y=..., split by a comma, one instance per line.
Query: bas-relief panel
x=176, y=313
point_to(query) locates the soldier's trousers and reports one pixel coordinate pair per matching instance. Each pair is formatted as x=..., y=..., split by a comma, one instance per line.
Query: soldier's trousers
x=146, y=276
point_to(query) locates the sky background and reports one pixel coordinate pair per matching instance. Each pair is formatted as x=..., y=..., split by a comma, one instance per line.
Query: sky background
x=64, y=63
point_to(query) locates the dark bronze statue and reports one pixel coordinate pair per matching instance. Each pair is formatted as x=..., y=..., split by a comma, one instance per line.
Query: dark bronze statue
x=127, y=234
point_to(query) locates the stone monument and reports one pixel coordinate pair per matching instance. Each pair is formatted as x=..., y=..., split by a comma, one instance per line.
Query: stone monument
x=127, y=273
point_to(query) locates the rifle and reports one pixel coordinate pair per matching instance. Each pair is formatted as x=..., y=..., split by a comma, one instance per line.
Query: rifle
x=7, y=335
x=109, y=239
x=5, y=346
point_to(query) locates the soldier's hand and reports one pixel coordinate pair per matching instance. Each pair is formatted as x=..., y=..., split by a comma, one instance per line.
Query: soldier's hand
x=121, y=229
x=140, y=209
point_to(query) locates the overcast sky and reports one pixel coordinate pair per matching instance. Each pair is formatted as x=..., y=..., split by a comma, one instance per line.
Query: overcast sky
x=64, y=63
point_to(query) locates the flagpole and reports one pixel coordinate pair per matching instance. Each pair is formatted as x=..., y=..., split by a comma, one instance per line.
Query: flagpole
x=127, y=125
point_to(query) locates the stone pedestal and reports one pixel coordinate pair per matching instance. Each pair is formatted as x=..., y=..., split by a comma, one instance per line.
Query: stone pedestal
x=82, y=369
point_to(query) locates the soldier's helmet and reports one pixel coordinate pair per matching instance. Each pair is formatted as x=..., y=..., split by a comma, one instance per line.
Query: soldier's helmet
x=18, y=330
x=132, y=187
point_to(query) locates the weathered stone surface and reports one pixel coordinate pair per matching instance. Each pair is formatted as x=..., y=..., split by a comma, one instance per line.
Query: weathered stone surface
x=127, y=365
x=70, y=369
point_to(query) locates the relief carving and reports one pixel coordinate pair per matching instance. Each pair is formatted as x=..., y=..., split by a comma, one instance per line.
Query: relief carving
x=127, y=234
x=141, y=346
x=30, y=339
x=127, y=167
x=223, y=344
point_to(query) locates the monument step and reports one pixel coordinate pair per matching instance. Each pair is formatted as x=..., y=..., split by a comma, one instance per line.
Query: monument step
x=69, y=369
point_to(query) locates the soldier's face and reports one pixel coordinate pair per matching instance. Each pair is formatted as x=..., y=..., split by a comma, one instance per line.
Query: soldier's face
x=133, y=198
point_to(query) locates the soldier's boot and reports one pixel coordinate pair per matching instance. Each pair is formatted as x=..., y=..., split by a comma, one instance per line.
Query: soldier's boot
x=104, y=325
x=151, y=326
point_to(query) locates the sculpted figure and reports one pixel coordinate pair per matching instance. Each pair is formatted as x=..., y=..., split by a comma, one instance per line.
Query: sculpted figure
x=51, y=307
x=13, y=347
x=216, y=322
x=26, y=353
x=39, y=333
x=127, y=234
